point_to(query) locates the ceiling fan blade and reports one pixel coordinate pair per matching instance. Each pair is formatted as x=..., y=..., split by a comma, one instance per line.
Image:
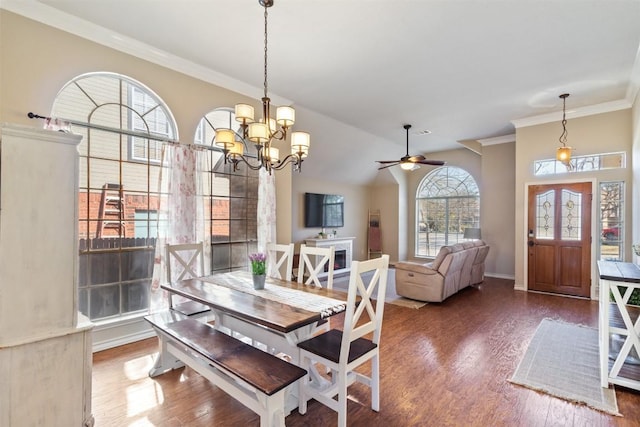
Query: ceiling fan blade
x=431, y=162
x=387, y=161
x=389, y=165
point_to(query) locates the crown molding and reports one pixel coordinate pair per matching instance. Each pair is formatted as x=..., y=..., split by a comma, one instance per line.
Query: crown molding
x=50, y=16
x=498, y=140
x=590, y=110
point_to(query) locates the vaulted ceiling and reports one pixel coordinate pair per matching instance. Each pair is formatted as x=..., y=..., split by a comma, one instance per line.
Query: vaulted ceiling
x=464, y=70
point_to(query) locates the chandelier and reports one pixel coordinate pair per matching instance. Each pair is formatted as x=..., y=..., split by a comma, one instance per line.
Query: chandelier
x=563, y=154
x=264, y=131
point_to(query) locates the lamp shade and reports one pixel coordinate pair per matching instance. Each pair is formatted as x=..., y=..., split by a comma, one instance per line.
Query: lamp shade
x=472, y=233
x=300, y=142
x=225, y=138
x=285, y=116
x=258, y=133
x=236, y=149
x=409, y=166
x=274, y=155
x=563, y=154
x=244, y=113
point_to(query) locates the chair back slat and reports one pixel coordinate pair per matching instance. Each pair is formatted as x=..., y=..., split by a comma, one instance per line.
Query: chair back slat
x=360, y=301
x=277, y=256
x=313, y=261
x=184, y=261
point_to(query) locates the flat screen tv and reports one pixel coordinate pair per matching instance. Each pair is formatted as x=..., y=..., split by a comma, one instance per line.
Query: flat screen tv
x=323, y=210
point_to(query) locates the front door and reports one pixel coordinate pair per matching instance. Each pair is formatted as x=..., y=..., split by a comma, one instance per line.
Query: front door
x=559, y=238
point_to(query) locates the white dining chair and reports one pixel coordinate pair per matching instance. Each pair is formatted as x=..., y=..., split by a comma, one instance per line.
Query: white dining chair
x=185, y=261
x=313, y=260
x=343, y=351
x=312, y=263
x=279, y=256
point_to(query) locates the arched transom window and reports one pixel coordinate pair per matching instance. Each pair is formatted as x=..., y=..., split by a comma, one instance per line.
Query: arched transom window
x=447, y=202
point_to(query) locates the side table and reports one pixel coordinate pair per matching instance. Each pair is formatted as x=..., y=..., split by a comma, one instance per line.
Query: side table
x=619, y=279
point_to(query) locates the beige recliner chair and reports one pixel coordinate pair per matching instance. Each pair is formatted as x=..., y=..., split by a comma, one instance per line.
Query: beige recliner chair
x=454, y=268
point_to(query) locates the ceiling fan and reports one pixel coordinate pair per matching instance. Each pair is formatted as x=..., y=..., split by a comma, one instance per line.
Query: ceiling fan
x=408, y=162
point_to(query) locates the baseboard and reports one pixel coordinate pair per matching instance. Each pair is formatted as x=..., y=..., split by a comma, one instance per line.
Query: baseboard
x=501, y=276
x=107, y=344
x=115, y=334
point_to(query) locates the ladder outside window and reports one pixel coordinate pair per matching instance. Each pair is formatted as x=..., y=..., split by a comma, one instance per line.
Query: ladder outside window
x=111, y=215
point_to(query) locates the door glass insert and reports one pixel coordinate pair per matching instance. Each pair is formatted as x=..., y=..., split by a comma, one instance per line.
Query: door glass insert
x=571, y=218
x=545, y=215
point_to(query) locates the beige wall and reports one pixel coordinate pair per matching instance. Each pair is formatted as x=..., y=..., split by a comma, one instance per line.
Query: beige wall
x=386, y=199
x=36, y=61
x=497, y=207
x=601, y=133
x=356, y=198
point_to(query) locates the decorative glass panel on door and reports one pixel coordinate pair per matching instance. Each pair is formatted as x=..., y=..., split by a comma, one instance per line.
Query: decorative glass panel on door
x=571, y=215
x=545, y=215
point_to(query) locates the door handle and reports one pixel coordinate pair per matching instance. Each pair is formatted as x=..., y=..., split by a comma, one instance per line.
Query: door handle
x=531, y=243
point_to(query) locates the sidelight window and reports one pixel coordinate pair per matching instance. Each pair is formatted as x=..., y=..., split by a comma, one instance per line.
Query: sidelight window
x=611, y=221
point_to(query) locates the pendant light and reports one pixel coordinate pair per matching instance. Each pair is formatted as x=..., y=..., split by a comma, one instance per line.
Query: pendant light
x=563, y=154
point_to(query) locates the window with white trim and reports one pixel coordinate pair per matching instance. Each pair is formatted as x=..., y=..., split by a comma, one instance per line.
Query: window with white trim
x=447, y=202
x=118, y=196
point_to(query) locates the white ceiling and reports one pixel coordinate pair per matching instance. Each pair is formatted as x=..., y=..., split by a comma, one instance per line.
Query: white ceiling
x=463, y=69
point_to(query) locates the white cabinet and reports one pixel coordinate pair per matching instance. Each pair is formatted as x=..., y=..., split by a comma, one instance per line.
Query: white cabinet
x=45, y=345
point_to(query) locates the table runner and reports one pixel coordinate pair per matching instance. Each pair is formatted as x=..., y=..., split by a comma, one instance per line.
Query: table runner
x=243, y=282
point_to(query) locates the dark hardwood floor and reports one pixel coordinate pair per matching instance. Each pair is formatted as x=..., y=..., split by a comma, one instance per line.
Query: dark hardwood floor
x=445, y=364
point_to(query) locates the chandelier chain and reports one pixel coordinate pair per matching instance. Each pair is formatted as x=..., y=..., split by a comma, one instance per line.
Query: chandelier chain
x=563, y=136
x=265, y=50
x=264, y=131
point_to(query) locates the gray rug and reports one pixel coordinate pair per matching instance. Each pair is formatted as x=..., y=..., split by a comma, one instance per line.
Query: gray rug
x=563, y=361
x=342, y=283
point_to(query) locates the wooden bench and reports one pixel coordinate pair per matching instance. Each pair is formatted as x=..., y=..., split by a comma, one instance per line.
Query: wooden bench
x=257, y=379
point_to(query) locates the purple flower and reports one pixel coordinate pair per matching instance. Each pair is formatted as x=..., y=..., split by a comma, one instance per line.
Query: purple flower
x=258, y=263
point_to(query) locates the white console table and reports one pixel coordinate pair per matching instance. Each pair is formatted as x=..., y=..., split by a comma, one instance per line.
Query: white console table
x=340, y=244
x=617, y=318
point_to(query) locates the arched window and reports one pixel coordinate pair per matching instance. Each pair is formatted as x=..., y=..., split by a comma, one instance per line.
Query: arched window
x=120, y=156
x=447, y=202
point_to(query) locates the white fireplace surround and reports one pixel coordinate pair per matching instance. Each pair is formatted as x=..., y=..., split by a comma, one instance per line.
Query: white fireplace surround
x=340, y=244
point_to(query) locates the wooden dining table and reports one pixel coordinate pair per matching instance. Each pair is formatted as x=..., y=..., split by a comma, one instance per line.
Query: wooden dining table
x=275, y=318
x=284, y=308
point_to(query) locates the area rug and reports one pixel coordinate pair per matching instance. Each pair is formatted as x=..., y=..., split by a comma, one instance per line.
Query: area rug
x=563, y=360
x=342, y=283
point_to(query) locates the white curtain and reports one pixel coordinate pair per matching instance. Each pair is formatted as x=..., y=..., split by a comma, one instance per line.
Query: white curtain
x=181, y=216
x=266, y=214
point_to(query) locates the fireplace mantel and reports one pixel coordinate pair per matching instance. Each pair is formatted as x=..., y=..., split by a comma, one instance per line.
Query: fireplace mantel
x=340, y=244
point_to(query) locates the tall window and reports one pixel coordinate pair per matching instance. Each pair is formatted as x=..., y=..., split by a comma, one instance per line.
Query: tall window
x=233, y=202
x=447, y=202
x=612, y=221
x=118, y=188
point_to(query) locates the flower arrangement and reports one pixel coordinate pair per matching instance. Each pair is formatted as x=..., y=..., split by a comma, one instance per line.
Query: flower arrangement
x=258, y=263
